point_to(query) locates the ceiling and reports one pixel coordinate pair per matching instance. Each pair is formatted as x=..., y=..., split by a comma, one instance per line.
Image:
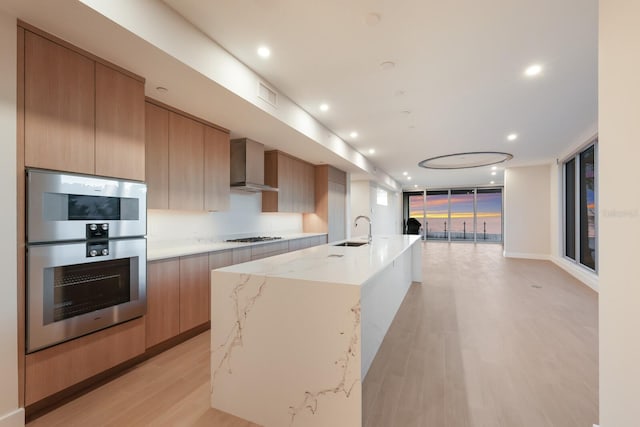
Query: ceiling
x=458, y=83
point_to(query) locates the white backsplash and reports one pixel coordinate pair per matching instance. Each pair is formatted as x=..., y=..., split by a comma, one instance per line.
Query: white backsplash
x=243, y=218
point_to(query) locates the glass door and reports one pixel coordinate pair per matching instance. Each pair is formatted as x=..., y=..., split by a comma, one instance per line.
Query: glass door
x=437, y=215
x=489, y=215
x=462, y=207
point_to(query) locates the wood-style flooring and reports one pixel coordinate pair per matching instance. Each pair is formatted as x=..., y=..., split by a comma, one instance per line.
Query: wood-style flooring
x=484, y=341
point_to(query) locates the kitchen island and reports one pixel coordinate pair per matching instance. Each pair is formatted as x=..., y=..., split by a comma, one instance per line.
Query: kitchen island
x=293, y=336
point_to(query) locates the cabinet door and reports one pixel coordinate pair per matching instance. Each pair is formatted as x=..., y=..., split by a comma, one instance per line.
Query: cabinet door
x=220, y=259
x=157, y=156
x=59, y=107
x=309, y=188
x=241, y=255
x=337, y=211
x=285, y=183
x=298, y=186
x=119, y=125
x=163, y=301
x=186, y=164
x=216, y=169
x=194, y=291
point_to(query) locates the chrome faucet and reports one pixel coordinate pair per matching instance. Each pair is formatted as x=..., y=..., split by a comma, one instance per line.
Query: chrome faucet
x=355, y=224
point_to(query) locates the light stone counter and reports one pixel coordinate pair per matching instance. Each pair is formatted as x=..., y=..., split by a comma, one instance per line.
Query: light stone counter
x=292, y=336
x=174, y=248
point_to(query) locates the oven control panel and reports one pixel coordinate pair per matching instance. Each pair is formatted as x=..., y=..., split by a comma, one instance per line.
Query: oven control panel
x=98, y=231
x=96, y=249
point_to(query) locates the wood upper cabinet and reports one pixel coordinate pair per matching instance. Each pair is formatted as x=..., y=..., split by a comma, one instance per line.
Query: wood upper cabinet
x=59, y=107
x=195, y=292
x=330, y=204
x=186, y=163
x=157, y=156
x=294, y=180
x=216, y=169
x=163, y=296
x=120, y=125
x=80, y=114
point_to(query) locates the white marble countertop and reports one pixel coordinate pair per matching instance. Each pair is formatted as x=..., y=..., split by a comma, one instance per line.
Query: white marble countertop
x=331, y=264
x=174, y=248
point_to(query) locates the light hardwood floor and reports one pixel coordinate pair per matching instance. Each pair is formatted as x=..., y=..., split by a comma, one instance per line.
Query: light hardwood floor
x=485, y=341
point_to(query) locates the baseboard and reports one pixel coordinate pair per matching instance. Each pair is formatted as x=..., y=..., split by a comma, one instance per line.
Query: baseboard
x=587, y=277
x=522, y=255
x=13, y=419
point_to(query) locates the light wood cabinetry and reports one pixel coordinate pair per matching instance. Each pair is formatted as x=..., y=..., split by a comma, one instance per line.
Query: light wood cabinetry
x=59, y=106
x=56, y=368
x=187, y=161
x=81, y=115
x=216, y=169
x=220, y=259
x=163, y=296
x=157, y=156
x=307, y=242
x=120, y=125
x=194, y=291
x=330, y=204
x=241, y=255
x=269, y=249
x=186, y=165
x=294, y=179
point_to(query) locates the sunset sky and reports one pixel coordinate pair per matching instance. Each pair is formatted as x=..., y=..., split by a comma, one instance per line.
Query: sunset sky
x=489, y=211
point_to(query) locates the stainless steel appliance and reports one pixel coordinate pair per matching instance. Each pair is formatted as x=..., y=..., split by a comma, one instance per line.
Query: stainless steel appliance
x=247, y=166
x=86, y=255
x=253, y=239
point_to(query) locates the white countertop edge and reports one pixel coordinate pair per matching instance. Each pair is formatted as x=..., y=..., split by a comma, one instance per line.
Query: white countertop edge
x=178, y=248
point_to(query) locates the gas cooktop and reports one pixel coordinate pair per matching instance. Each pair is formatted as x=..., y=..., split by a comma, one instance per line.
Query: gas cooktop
x=253, y=239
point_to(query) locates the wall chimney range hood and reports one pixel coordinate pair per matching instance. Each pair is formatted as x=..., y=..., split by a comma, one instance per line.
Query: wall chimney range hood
x=247, y=166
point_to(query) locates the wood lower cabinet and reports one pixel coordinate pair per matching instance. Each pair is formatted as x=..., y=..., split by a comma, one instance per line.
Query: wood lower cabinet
x=120, y=125
x=294, y=179
x=163, y=296
x=56, y=368
x=59, y=99
x=195, y=292
x=241, y=255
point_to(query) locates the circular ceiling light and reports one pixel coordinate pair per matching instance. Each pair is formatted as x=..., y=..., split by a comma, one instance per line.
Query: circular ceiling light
x=324, y=107
x=264, y=52
x=533, y=70
x=353, y=134
x=512, y=136
x=372, y=151
x=465, y=160
x=405, y=173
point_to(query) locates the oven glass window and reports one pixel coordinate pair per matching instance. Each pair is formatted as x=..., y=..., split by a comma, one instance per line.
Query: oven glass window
x=83, y=288
x=84, y=208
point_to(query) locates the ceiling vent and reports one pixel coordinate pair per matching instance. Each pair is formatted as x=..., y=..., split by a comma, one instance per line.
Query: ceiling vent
x=267, y=94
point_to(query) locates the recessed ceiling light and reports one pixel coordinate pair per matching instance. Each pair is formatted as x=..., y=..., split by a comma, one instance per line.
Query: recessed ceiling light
x=324, y=107
x=162, y=89
x=494, y=168
x=264, y=52
x=493, y=173
x=492, y=182
x=387, y=65
x=353, y=134
x=405, y=173
x=415, y=185
x=409, y=178
x=533, y=70
x=372, y=19
x=512, y=136
x=372, y=151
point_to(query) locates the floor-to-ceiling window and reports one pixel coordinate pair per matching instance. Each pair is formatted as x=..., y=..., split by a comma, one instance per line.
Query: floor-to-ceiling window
x=580, y=198
x=472, y=214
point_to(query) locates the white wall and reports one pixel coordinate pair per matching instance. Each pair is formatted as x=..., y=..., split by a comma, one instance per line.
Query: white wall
x=619, y=213
x=527, y=212
x=244, y=217
x=10, y=414
x=385, y=220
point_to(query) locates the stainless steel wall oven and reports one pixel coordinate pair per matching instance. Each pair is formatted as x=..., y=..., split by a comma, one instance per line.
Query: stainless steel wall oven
x=86, y=255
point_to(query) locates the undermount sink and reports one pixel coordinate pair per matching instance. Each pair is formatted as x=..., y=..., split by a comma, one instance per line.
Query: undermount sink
x=351, y=244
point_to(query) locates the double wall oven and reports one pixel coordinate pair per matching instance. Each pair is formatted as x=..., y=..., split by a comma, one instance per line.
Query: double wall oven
x=86, y=255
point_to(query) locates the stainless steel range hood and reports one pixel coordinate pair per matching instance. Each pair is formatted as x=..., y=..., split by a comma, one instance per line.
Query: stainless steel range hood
x=247, y=166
